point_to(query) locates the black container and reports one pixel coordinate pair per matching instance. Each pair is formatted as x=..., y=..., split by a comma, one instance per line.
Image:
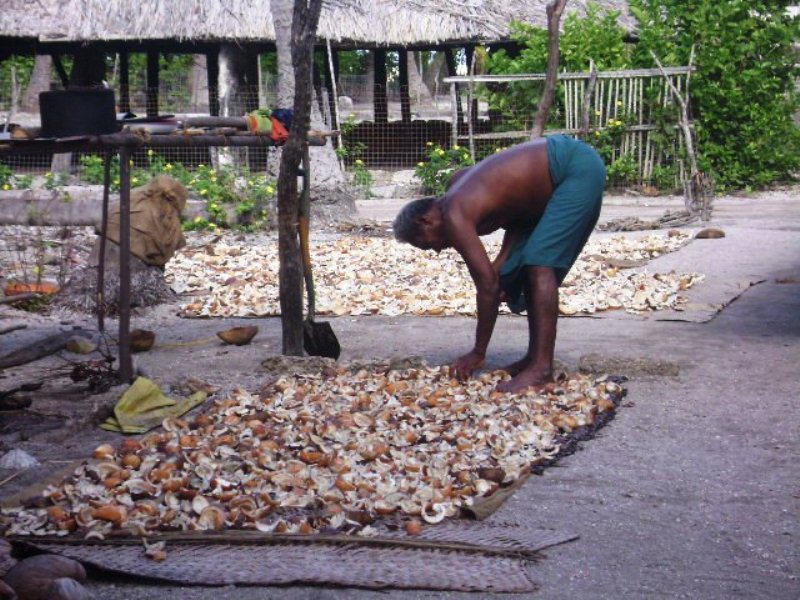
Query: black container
x=77, y=112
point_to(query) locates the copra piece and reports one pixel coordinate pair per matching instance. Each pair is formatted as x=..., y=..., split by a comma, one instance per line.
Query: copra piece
x=339, y=451
x=232, y=278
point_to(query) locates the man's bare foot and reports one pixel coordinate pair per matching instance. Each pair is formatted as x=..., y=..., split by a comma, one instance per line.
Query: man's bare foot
x=529, y=377
x=514, y=368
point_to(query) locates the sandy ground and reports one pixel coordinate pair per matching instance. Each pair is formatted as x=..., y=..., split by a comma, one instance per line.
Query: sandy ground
x=691, y=492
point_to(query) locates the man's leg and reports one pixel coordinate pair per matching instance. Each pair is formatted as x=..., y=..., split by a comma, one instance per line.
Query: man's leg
x=542, y=319
x=514, y=368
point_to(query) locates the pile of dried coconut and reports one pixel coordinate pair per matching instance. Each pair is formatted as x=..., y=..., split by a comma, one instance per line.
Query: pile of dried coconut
x=334, y=452
x=363, y=276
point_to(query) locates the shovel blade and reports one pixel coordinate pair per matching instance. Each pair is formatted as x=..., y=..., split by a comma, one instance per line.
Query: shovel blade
x=319, y=340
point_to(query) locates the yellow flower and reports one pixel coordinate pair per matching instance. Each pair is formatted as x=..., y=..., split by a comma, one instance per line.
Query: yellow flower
x=116, y=182
x=37, y=270
x=420, y=164
x=496, y=150
x=203, y=192
x=597, y=134
x=6, y=187
x=150, y=152
x=456, y=147
x=168, y=167
x=213, y=205
x=619, y=102
x=429, y=143
x=598, y=112
x=270, y=189
x=359, y=162
x=198, y=219
x=212, y=225
x=466, y=156
x=440, y=152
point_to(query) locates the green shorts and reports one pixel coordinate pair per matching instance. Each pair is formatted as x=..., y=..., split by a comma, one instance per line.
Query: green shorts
x=556, y=240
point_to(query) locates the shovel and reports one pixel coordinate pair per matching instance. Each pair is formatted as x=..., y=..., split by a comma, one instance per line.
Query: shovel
x=318, y=337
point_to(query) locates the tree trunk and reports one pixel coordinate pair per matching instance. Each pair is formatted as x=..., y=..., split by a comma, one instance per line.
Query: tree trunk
x=432, y=76
x=554, y=11
x=330, y=196
x=238, y=93
x=418, y=91
x=304, y=19
x=198, y=84
x=40, y=82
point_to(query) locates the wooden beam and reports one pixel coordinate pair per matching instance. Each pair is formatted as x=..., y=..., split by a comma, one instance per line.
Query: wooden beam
x=405, y=98
x=62, y=72
x=380, y=99
x=212, y=66
x=124, y=82
x=450, y=59
x=152, y=83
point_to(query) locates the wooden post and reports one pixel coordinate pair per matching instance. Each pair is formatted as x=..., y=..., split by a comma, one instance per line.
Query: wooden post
x=405, y=97
x=212, y=67
x=124, y=82
x=451, y=71
x=331, y=74
x=124, y=337
x=304, y=24
x=554, y=11
x=380, y=99
x=587, y=100
x=152, y=83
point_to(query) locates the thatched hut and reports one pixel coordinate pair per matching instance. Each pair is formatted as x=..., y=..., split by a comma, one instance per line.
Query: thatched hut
x=238, y=31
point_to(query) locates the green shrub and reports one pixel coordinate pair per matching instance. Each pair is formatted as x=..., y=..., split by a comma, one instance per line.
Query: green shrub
x=435, y=173
x=743, y=90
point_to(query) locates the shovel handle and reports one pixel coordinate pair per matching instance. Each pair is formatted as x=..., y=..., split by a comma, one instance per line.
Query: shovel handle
x=303, y=225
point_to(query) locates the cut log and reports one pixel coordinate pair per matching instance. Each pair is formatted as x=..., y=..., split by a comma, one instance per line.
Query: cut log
x=36, y=350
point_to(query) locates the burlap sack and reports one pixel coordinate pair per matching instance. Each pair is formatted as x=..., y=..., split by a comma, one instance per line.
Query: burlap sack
x=155, y=220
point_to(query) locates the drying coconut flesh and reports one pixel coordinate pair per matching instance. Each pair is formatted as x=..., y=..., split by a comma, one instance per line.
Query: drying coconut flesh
x=366, y=276
x=336, y=452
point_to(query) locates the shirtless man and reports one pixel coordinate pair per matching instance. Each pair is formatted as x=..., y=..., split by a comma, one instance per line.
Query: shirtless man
x=546, y=194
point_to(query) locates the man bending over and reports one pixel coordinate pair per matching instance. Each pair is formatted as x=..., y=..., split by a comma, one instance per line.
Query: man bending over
x=546, y=194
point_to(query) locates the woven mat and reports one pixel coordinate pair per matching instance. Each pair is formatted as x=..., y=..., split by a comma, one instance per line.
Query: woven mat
x=457, y=555
x=464, y=556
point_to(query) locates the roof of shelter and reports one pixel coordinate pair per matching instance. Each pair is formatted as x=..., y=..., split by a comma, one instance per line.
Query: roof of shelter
x=372, y=22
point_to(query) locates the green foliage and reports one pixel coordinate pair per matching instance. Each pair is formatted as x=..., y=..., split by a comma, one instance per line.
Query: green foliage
x=22, y=67
x=435, y=173
x=664, y=178
x=6, y=175
x=597, y=37
x=742, y=92
x=55, y=180
x=607, y=136
x=623, y=171
x=248, y=195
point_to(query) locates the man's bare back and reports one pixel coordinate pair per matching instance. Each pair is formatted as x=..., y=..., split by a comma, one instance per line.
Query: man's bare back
x=506, y=190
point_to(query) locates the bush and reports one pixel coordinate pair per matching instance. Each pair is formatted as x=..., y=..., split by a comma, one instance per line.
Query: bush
x=742, y=92
x=436, y=172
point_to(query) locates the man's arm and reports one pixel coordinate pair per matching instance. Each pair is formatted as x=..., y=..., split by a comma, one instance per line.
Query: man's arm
x=464, y=238
x=510, y=237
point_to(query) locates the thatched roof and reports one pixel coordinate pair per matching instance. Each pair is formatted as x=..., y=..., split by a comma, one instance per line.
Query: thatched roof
x=385, y=22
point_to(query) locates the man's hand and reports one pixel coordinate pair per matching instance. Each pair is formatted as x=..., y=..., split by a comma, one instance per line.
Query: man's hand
x=463, y=367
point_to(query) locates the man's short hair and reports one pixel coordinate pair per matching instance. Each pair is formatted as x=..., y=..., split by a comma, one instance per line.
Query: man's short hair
x=406, y=223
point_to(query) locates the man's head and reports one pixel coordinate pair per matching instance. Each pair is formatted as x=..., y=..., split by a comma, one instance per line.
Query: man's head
x=420, y=224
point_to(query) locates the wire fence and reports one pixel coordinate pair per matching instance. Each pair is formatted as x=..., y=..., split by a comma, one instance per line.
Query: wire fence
x=629, y=116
